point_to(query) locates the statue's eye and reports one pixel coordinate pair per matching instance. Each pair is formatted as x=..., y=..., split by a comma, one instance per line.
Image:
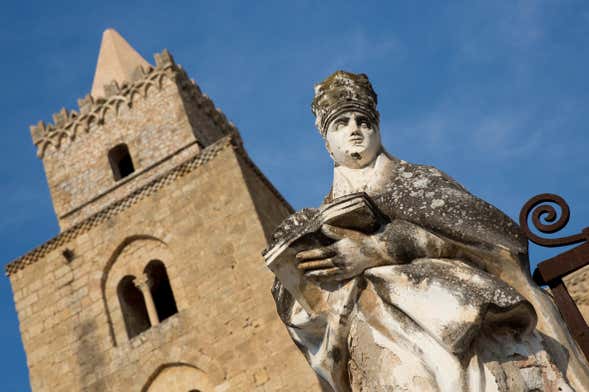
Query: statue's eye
x=340, y=123
x=363, y=122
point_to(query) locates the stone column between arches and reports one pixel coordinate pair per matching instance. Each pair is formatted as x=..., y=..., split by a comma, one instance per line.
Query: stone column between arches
x=144, y=286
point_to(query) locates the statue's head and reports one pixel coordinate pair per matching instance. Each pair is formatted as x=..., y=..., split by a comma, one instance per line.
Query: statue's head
x=346, y=115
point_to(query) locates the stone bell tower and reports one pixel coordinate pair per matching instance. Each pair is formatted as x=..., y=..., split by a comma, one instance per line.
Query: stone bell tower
x=155, y=282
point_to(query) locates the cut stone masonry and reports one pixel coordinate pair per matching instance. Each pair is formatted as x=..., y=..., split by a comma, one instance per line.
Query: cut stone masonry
x=233, y=141
x=191, y=212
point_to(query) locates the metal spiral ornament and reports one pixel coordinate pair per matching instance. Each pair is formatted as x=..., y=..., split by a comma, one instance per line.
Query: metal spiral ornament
x=546, y=219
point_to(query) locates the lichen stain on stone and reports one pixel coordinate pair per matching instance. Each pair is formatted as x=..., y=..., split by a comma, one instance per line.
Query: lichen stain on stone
x=436, y=203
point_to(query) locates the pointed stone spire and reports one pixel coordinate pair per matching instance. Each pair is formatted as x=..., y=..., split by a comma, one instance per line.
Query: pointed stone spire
x=116, y=61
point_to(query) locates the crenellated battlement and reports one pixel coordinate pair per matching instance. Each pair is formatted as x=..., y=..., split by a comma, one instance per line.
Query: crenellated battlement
x=67, y=124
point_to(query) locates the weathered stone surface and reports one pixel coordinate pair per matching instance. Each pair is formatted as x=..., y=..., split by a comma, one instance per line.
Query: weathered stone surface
x=438, y=298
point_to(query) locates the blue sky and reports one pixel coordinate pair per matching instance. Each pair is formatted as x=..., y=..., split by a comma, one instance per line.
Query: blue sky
x=495, y=93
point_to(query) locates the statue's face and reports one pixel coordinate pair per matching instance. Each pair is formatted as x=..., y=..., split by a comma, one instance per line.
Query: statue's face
x=353, y=140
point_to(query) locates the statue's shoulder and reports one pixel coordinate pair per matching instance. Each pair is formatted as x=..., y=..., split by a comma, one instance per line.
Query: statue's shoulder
x=403, y=166
x=421, y=175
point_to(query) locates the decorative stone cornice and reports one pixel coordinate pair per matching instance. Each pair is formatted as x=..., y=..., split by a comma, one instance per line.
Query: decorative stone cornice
x=68, y=124
x=119, y=206
x=231, y=141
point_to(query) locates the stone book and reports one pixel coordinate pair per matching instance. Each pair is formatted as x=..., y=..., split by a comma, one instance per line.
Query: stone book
x=303, y=231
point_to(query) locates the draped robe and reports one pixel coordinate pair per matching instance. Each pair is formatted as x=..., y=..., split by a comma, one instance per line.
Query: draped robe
x=457, y=312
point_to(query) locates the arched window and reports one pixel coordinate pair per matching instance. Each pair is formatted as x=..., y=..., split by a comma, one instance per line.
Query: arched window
x=120, y=161
x=161, y=291
x=179, y=377
x=133, y=307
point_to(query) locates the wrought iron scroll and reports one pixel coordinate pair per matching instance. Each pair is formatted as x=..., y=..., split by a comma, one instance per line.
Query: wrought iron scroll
x=547, y=213
x=548, y=220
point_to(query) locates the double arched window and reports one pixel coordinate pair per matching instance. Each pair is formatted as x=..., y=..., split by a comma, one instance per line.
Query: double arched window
x=146, y=301
x=140, y=286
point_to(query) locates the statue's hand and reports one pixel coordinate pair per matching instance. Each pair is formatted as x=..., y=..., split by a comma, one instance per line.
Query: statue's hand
x=350, y=255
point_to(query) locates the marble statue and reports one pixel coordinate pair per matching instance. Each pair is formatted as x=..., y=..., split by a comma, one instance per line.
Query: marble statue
x=439, y=297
